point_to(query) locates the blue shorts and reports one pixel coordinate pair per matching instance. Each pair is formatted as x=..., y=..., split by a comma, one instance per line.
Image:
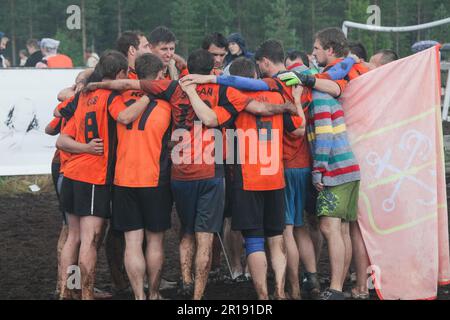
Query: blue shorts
x=298, y=186
x=200, y=204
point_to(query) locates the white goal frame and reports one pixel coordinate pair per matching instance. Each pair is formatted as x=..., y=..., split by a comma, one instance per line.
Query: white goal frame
x=444, y=66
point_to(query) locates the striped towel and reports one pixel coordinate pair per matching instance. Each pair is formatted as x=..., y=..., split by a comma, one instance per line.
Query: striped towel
x=333, y=160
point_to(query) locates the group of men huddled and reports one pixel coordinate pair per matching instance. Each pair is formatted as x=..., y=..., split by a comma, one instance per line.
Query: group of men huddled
x=257, y=156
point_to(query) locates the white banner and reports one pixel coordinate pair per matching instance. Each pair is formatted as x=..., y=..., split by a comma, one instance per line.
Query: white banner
x=27, y=101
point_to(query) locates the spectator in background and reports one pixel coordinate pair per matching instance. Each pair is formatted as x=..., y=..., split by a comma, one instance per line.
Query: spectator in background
x=217, y=45
x=35, y=53
x=423, y=45
x=296, y=61
x=358, y=49
x=383, y=57
x=23, y=55
x=4, y=63
x=237, y=48
x=91, y=58
x=52, y=59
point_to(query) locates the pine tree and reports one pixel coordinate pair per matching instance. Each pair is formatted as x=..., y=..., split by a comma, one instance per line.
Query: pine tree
x=279, y=24
x=186, y=25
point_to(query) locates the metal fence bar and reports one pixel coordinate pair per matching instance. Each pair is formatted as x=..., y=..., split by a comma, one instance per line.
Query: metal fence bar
x=349, y=24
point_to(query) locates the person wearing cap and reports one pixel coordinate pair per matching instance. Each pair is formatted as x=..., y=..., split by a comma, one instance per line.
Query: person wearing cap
x=4, y=63
x=52, y=59
x=237, y=48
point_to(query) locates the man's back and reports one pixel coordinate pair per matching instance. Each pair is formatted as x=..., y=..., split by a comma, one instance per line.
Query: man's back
x=191, y=164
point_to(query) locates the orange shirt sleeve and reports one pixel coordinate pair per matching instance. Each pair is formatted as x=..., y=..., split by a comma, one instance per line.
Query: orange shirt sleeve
x=291, y=123
x=342, y=85
x=184, y=72
x=231, y=102
x=161, y=89
x=70, y=128
x=68, y=107
x=115, y=105
x=55, y=124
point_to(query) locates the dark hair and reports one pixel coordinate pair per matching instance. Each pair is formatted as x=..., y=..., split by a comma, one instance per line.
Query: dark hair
x=161, y=35
x=294, y=55
x=387, y=56
x=111, y=63
x=333, y=38
x=129, y=39
x=216, y=39
x=200, y=62
x=243, y=67
x=33, y=43
x=271, y=49
x=358, y=49
x=148, y=66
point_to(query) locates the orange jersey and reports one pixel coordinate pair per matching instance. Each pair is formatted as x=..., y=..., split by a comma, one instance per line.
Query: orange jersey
x=192, y=147
x=64, y=156
x=59, y=61
x=184, y=72
x=181, y=73
x=92, y=116
x=259, y=143
x=58, y=124
x=357, y=70
x=132, y=75
x=142, y=151
x=296, y=152
x=55, y=124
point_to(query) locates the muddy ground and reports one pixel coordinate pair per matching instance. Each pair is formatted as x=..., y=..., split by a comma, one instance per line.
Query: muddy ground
x=29, y=229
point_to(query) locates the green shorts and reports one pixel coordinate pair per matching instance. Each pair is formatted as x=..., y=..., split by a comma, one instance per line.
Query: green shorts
x=339, y=202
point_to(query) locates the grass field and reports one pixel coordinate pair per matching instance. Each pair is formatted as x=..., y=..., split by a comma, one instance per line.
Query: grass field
x=11, y=186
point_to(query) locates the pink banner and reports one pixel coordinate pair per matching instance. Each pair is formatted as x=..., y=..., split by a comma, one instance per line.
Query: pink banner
x=393, y=116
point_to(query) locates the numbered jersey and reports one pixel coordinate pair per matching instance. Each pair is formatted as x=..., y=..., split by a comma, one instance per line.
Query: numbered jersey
x=93, y=116
x=142, y=151
x=258, y=143
x=296, y=152
x=194, y=154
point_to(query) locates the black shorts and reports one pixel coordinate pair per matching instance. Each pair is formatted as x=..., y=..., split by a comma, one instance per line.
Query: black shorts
x=56, y=166
x=311, y=201
x=259, y=210
x=142, y=208
x=228, y=191
x=85, y=199
x=57, y=183
x=200, y=204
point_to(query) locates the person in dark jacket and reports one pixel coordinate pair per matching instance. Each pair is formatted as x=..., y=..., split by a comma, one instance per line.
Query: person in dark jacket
x=237, y=48
x=35, y=53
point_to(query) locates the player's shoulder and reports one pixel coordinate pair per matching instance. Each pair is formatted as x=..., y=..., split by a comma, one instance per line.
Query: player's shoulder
x=360, y=68
x=162, y=104
x=272, y=97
